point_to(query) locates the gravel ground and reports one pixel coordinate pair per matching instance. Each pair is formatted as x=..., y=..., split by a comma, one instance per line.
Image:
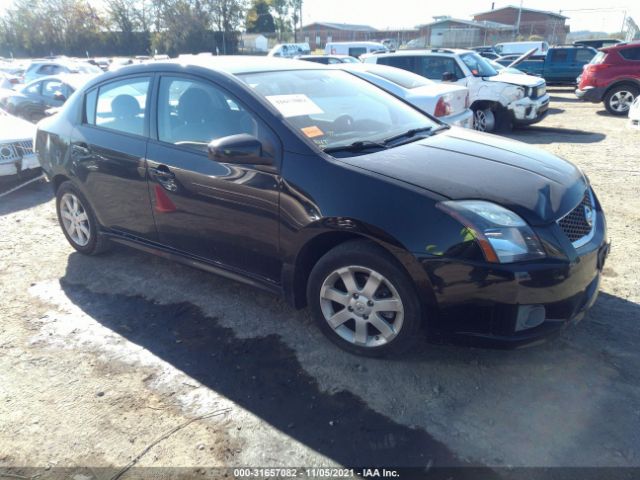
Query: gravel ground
x=101, y=356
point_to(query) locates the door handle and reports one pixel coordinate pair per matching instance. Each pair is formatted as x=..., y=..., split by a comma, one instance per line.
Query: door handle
x=164, y=177
x=162, y=173
x=81, y=149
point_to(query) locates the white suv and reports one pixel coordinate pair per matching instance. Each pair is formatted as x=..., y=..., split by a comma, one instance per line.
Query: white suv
x=497, y=100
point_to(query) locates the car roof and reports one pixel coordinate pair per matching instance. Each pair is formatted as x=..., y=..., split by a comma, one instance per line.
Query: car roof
x=75, y=80
x=238, y=64
x=429, y=51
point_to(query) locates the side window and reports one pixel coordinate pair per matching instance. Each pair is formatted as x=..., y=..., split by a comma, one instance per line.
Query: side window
x=404, y=62
x=333, y=61
x=433, y=67
x=630, y=53
x=584, y=56
x=357, y=51
x=33, y=89
x=193, y=113
x=121, y=105
x=560, y=55
x=44, y=70
x=51, y=87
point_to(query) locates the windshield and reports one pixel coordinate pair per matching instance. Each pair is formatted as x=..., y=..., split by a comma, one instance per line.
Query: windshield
x=401, y=77
x=479, y=66
x=334, y=108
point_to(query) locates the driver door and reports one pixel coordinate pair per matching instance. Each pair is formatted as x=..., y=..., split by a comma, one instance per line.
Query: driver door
x=226, y=214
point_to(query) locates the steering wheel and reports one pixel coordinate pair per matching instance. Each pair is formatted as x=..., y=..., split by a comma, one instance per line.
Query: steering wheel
x=343, y=122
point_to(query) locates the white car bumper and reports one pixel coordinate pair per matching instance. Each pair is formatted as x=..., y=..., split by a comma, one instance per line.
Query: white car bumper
x=12, y=163
x=527, y=111
x=463, y=119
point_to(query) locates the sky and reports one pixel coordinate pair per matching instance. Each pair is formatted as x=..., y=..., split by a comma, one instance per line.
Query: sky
x=594, y=15
x=600, y=16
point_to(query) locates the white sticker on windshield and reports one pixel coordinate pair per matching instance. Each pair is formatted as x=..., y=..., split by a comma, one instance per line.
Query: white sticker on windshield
x=294, y=105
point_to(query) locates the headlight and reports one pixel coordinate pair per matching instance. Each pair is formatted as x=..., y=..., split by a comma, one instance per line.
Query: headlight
x=503, y=236
x=514, y=93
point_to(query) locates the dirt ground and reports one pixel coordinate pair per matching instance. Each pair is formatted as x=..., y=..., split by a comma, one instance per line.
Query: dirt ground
x=102, y=356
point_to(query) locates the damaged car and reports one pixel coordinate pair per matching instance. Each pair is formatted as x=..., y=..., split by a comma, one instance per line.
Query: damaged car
x=498, y=101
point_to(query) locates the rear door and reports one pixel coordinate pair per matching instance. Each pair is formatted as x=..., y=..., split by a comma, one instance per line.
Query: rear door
x=558, y=65
x=226, y=214
x=109, y=149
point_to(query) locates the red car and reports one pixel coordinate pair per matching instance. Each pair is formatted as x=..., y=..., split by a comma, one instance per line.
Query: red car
x=612, y=77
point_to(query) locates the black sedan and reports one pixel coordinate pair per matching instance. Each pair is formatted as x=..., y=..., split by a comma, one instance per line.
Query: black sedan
x=33, y=100
x=311, y=183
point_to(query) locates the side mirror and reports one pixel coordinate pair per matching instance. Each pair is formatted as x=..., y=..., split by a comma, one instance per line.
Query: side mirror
x=449, y=77
x=242, y=148
x=60, y=97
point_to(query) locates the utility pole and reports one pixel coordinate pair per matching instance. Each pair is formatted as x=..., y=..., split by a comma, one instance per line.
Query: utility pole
x=518, y=21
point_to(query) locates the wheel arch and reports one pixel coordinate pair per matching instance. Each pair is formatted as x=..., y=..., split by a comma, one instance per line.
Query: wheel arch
x=296, y=273
x=632, y=82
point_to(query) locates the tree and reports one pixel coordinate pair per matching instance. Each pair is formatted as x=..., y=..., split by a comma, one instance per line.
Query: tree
x=259, y=18
x=228, y=16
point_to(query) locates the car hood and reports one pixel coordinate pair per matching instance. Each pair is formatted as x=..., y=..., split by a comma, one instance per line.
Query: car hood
x=516, y=79
x=14, y=129
x=462, y=164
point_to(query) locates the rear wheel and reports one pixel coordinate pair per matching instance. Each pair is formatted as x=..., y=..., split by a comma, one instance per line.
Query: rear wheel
x=618, y=100
x=78, y=221
x=363, y=301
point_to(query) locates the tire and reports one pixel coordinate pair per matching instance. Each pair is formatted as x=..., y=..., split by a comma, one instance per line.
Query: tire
x=78, y=222
x=618, y=100
x=484, y=120
x=362, y=326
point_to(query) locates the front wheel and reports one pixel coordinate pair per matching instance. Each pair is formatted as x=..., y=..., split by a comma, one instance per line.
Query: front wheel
x=363, y=301
x=618, y=100
x=484, y=120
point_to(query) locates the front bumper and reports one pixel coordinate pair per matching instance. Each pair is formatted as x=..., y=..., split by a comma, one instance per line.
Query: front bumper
x=527, y=111
x=485, y=303
x=19, y=165
x=591, y=94
x=463, y=119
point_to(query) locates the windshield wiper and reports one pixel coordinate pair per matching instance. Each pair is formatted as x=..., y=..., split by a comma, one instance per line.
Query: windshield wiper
x=413, y=132
x=355, y=146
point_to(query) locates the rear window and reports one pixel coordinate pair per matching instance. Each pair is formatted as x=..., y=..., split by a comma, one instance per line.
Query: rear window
x=401, y=77
x=598, y=59
x=630, y=53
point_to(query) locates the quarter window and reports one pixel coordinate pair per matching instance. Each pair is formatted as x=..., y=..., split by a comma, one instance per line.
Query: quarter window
x=120, y=106
x=192, y=113
x=630, y=53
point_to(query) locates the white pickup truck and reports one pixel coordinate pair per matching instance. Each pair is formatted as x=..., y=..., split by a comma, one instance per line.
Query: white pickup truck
x=497, y=100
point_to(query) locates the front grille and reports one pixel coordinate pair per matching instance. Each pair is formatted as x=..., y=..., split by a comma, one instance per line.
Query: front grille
x=8, y=153
x=24, y=148
x=579, y=222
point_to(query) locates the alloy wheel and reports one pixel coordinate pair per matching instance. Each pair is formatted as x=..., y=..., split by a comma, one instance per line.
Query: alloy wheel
x=483, y=120
x=75, y=219
x=361, y=306
x=621, y=101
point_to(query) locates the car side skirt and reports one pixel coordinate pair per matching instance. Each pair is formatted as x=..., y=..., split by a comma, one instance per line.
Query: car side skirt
x=195, y=262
